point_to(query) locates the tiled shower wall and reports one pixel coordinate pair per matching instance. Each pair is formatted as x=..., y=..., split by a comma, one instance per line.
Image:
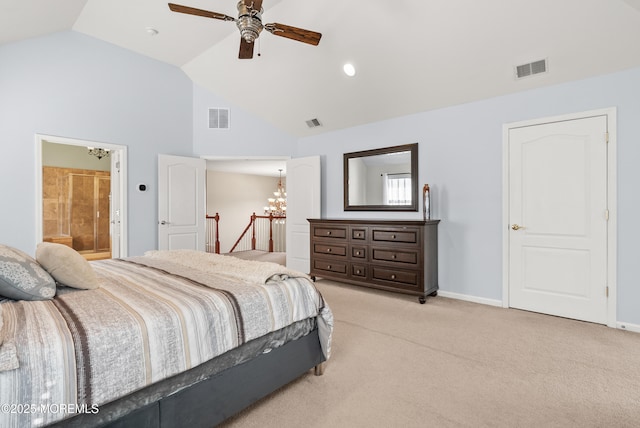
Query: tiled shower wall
x=75, y=202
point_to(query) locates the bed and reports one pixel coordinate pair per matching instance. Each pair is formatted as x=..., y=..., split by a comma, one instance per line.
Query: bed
x=172, y=338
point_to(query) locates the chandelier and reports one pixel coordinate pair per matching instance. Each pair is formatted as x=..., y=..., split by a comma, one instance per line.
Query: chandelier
x=99, y=152
x=278, y=204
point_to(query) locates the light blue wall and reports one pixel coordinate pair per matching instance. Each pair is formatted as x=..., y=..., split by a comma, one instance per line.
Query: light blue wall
x=460, y=156
x=248, y=135
x=71, y=85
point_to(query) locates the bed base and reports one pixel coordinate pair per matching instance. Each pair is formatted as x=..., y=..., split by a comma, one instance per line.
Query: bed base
x=216, y=398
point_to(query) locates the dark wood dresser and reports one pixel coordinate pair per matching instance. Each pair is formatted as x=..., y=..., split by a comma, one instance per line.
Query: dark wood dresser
x=393, y=255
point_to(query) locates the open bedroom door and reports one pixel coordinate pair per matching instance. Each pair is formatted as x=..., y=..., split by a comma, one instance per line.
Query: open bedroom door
x=181, y=203
x=115, y=206
x=303, y=202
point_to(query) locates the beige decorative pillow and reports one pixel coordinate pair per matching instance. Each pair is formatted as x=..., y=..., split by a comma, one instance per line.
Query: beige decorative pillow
x=66, y=266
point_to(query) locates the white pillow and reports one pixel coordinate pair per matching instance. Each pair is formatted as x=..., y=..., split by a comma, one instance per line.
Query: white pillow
x=66, y=266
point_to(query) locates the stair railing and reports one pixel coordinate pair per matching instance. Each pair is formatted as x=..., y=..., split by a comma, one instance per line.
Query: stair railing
x=252, y=226
x=212, y=244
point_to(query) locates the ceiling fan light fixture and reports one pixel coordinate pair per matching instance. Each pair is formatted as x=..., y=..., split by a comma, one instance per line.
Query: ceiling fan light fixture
x=249, y=22
x=249, y=27
x=349, y=69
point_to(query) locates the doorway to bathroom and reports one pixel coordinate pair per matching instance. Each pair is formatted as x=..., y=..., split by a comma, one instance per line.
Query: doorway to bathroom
x=82, y=196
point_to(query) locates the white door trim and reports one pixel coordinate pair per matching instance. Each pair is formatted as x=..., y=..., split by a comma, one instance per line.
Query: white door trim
x=123, y=182
x=611, y=202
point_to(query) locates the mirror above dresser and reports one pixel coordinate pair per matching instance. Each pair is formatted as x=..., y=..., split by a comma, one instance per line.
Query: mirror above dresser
x=384, y=179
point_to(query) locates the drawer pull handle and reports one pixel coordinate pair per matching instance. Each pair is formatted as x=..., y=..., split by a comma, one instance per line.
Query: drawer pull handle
x=328, y=250
x=393, y=236
x=393, y=256
x=329, y=267
x=358, y=272
x=357, y=253
x=329, y=233
x=393, y=277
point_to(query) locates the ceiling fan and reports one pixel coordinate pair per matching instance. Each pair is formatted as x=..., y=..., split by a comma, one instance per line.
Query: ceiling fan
x=249, y=22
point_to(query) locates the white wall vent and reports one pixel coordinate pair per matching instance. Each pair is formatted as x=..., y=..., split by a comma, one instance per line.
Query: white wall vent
x=218, y=118
x=531, y=68
x=312, y=123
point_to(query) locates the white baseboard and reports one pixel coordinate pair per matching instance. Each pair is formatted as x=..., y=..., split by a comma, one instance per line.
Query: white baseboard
x=628, y=326
x=468, y=298
x=491, y=302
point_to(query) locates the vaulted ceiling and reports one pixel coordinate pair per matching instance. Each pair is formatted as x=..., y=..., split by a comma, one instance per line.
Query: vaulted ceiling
x=410, y=55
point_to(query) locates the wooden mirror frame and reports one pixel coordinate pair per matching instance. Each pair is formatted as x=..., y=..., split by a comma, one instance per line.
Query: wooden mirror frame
x=413, y=149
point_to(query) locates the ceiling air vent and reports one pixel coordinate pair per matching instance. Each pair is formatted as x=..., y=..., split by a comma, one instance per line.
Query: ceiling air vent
x=218, y=118
x=531, y=68
x=312, y=123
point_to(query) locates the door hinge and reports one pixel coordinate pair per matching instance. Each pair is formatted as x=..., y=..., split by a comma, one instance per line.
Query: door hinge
x=606, y=137
x=607, y=291
x=606, y=214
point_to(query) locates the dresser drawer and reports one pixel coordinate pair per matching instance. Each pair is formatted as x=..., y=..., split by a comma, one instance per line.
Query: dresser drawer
x=332, y=232
x=359, y=233
x=330, y=266
x=408, y=235
x=410, y=278
x=359, y=252
x=330, y=249
x=397, y=256
x=359, y=271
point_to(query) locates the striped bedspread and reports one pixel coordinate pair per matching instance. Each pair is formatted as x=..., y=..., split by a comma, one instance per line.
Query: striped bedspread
x=151, y=318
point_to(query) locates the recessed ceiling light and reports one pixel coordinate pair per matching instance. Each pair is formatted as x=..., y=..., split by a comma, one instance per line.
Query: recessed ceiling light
x=151, y=31
x=349, y=69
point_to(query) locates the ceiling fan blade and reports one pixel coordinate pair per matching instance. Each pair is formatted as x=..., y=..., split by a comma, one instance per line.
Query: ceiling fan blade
x=293, y=33
x=246, y=49
x=199, y=12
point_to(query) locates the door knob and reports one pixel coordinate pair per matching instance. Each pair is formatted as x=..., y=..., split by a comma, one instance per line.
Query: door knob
x=164, y=222
x=516, y=227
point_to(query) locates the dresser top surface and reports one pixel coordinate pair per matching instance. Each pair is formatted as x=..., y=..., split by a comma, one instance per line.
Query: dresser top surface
x=373, y=221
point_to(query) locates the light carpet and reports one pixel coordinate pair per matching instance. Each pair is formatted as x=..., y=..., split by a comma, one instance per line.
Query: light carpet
x=450, y=363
